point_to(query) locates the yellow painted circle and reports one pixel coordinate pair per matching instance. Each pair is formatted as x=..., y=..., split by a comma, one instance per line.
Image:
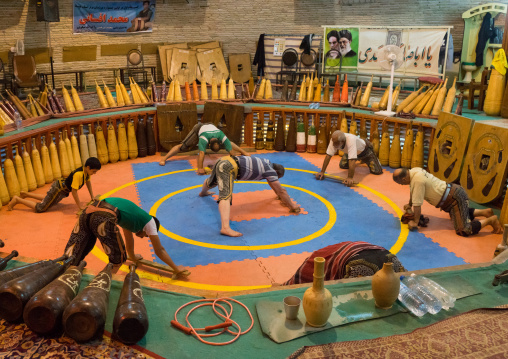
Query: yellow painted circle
x=331, y=221
x=148, y=275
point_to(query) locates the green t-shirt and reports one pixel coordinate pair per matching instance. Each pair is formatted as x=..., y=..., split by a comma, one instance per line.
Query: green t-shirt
x=132, y=217
x=209, y=131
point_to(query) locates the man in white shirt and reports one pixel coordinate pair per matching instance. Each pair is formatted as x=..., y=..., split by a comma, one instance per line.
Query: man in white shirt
x=449, y=197
x=355, y=149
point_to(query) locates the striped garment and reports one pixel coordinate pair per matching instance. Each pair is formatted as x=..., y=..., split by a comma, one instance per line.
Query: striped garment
x=336, y=256
x=254, y=169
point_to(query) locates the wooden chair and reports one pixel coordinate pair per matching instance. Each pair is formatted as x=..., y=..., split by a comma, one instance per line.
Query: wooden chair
x=289, y=66
x=136, y=65
x=25, y=73
x=474, y=86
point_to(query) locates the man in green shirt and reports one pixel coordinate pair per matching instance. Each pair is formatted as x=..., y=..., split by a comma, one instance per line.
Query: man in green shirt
x=100, y=220
x=203, y=135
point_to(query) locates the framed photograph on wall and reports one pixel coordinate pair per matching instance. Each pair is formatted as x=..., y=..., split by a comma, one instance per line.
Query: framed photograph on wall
x=340, y=49
x=394, y=37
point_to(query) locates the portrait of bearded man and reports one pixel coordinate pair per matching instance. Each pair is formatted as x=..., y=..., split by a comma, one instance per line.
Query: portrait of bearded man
x=340, y=46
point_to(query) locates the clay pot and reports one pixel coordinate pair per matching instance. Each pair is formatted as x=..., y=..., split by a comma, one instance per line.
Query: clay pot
x=317, y=300
x=385, y=286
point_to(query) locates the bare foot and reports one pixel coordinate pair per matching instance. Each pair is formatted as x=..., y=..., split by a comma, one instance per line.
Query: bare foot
x=12, y=203
x=162, y=163
x=496, y=226
x=208, y=193
x=229, y=232
x=23, y=194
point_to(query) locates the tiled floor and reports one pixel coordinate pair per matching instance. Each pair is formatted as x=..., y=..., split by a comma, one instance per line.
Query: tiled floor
x=274, y=243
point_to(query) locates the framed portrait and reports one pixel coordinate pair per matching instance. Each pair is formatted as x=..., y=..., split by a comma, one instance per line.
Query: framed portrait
x=340, y=49
x=394, y=37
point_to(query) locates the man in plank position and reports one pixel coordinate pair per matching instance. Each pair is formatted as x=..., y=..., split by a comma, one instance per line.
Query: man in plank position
x=450, y=197
x=231, y=168
x=61, y=188
x=355, y=149
x=203, y=135
x=100, y=220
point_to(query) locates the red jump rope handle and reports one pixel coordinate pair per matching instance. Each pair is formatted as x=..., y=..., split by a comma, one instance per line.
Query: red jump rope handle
x=218, y=326
x=183, y=328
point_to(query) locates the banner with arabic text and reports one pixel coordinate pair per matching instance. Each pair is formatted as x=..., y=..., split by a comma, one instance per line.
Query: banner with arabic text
x=420, y=48
x=113, y=16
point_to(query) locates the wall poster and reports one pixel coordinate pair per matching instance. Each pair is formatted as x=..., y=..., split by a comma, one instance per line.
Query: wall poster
x=113, y=16
x=355, y=49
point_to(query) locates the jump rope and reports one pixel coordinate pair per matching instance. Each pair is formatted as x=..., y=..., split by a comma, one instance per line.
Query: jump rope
x=223, y=313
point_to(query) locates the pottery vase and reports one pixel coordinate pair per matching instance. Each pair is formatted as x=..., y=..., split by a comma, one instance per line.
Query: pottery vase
x=385, y=286
x=317, y=300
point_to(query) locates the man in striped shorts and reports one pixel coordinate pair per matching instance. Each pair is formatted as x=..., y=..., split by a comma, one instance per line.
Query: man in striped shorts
x=231, y=168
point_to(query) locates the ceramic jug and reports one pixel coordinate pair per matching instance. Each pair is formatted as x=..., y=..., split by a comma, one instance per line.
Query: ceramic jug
x=317, y=300
x=385, y=286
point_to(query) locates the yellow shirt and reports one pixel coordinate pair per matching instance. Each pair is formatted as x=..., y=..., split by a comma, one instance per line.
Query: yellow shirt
x=425, y=186
x=78, y=180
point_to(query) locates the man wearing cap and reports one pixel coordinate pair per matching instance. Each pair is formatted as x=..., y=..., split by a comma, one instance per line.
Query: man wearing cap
x=355, y=149
x=449, y=197
x=243, y=168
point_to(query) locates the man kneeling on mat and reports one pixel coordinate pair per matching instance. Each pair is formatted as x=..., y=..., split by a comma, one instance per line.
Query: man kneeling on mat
x=203, y=135
x=355, y=149
x=61, y=189
x=346, y=260
x=450, y=197
x=231, y=168
x=100, y=220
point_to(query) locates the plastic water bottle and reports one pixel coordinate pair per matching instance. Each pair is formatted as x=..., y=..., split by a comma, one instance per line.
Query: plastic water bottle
x=17, y=120
x=433, y=304
x=411, y=301
x=446, y=299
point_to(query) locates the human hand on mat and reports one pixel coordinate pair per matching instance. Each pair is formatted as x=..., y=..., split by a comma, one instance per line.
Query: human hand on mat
x=407, y=208
x=349, y=182
x=181, y=272
x=295, y=209
x=201, y=171
x=162, y=162
x=136, y=258
x=412, y=225
x=320, y=176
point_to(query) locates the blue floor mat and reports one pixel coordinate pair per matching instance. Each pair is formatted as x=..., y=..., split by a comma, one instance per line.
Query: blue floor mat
x=190, y=216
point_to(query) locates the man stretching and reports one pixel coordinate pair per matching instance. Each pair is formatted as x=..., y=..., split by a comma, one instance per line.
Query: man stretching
x=355, y=149
x=203, y=135
x=231, y=168
x=61, y=189
x=449, y=197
